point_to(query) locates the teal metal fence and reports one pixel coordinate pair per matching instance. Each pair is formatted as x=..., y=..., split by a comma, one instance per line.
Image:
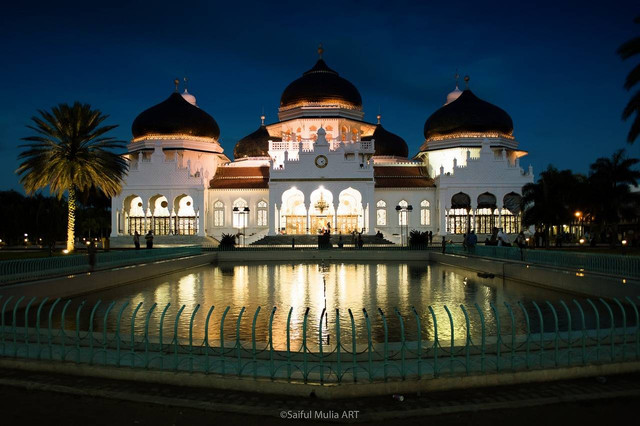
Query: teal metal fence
x=31, y=269
x=458, y=344
x=624, y=266
x=349, y=247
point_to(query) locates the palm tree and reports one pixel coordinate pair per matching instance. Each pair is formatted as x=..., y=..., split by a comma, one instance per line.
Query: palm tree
x=611, y=179
x=627, y=50
x=70, y=153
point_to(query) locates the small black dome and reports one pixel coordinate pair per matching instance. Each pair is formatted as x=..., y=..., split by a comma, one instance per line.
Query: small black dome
x=466, y=114
x=321, y=84
x=387, y=143
x=175, y=116
x=255, y=144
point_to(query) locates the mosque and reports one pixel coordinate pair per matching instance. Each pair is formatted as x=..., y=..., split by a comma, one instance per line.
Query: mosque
x=321, y=167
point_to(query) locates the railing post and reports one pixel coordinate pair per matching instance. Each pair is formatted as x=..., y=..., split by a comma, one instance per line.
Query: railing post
x=419, y=346
x=569, y=330
x=612, y=328
x=272, y=371
x=483, y=343
x=467, y=342
x=541, y=331
x=354, y=352
x=386, y=344
x=584, y=331
x=63, y=355
x=451, y=354
x=4, y=307
x=513, y=334
x=595, y=309
x=193, y=316
x=14, y=329
x=146, y=335
x=161, y=331
x=556, y=341
x=132, y=346
x=624, y=326
x=528, y=324
x=499, y=334
x=305, y=371
x=289, y=343
x=26, y=325
x=320, y=343
x=253, y=343
x=238, y=345
x=206, y=341
x=403, y=373
x=175, y=339
x=104, y=332
x=338, y=347
x=435, y=342
x=117, y=331
x=44, y=301
x=78, y=331
x=222, y=360
x=635, y=310
x=369, y=344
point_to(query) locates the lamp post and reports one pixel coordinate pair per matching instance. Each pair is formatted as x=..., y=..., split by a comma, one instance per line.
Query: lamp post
x=404, y=238
x=578, y=215
x=245, y=212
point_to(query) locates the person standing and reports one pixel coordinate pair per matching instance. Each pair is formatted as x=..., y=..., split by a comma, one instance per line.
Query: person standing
x=136, y=240
x=91, y=251
x=444, y=245
x=149, y=239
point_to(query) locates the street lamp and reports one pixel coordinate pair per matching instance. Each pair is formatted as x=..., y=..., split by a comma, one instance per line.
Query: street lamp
x=406, y=210
x=578, y=215
x=245, y=212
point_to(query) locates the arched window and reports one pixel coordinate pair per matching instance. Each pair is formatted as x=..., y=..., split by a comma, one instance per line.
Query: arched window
x=425, y=213
x=402, y=216
x=218, y=213
x=381, y=213
x=262, y=213
x=240, y=213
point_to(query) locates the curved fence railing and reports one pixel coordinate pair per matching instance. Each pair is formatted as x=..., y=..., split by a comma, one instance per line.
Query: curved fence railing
x=625, y=266
x=31, y=269
x=458, y=342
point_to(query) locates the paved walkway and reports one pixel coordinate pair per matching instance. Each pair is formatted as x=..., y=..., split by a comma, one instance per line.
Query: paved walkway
x=27, y=396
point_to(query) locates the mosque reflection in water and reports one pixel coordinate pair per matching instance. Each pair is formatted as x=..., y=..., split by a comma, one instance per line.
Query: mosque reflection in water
x=409, y=287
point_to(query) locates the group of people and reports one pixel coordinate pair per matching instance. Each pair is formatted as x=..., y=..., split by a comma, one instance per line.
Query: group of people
x=148, y=238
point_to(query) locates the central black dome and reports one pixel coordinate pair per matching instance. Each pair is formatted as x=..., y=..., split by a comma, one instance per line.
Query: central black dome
x=175, y=116
x=387, y=143
x=255, y=144
x=468, y=114
x=321, y=84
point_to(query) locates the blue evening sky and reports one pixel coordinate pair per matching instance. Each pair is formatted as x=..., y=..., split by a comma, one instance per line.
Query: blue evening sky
x=551, y=65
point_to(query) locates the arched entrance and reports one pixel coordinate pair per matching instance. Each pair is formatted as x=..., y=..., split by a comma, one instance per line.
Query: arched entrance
x=160, y=215
x=186, y=218
x=134, y=215
x=458, y=215
x=350, y=212
x=321, y=211
x=293, y=214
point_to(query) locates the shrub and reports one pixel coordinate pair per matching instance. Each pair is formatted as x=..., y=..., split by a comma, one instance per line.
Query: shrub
x=418, y=239
x=228, y=241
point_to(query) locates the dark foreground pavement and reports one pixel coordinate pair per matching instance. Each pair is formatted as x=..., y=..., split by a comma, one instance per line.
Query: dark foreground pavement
x=32, y=398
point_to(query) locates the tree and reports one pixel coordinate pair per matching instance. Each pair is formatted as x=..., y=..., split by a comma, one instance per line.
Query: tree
x=627, y=50
x=70, y=152
x=552, y=200
x=611, y=180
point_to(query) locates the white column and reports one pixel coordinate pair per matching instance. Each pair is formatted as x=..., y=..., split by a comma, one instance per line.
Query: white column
x=200, y=220
x=273, y=230
x=308, y=230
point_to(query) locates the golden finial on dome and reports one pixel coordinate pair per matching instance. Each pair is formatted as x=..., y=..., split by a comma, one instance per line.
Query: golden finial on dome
x=186, y=81
x=177, y=83
x=379, y=117
x=320, y=50
x=466, y=81
x=262, y=117
x=457, y=76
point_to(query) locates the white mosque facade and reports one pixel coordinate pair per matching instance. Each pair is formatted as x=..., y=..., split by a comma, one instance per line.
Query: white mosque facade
x=321, y=166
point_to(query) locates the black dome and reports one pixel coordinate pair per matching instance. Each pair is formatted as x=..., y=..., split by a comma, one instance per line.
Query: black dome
x=387, y=143
x=255, y=144
x=320, y=84
x=175, y=116
x=466, y=114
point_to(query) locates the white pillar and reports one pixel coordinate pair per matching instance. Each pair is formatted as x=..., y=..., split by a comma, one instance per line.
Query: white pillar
x=200, y=220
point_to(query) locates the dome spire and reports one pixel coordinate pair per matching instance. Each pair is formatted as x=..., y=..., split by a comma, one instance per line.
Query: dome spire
x=320, y=50
x=186, y=84
x=177, y=83
x=379, y=117
x=262, y=117
x=457, y=76
x=466, y=81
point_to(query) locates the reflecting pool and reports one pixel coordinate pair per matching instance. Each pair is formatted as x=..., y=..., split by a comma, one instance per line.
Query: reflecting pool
x=398, y=293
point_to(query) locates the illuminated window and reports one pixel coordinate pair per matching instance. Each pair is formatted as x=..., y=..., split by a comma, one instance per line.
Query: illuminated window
x=425, y=213
x=218, y=213
x=381, y=213
x=262, y=214
x=240, y=215
x=402, y=216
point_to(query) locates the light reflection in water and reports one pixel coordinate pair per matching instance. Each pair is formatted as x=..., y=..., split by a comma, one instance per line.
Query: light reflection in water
x=300, y=285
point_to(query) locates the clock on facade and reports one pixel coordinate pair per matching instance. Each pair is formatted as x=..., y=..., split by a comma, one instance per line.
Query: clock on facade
x=321, y=161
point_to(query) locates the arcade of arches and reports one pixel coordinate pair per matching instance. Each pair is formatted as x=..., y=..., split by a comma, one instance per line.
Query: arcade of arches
x=160, y=216
x=462, y=218
x=321, y=213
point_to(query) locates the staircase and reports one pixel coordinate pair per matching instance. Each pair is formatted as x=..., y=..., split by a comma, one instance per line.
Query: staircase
x=126, y=241
x=312, y=240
